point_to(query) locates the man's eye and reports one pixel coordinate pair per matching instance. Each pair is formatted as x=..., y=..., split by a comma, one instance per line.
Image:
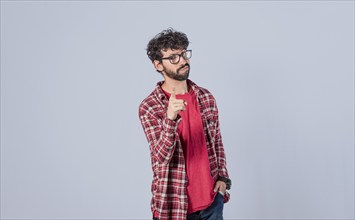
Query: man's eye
x=174, y=57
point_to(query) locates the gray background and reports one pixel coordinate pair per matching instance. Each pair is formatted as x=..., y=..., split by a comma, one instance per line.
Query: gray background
x=74, y=73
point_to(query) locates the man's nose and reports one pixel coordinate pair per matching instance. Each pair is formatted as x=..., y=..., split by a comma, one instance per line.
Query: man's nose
x=183, y=60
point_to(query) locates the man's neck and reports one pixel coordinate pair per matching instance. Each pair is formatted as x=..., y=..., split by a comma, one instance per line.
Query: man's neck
x=179, y=87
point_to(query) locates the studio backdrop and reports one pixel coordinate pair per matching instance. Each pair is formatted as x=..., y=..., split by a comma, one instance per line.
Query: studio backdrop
x=73, y=74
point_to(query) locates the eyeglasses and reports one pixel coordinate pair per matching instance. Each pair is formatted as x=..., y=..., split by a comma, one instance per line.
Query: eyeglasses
x=175, y=58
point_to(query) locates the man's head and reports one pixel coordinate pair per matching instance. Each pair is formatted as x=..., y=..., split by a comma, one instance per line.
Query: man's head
x=169, y=55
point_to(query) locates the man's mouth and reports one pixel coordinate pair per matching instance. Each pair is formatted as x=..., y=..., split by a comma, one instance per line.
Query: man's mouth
x=184, y=67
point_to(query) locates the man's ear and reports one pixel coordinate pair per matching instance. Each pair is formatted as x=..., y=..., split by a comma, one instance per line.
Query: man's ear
x=158, y=66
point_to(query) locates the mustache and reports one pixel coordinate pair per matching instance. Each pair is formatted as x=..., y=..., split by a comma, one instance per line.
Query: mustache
x=188, y=65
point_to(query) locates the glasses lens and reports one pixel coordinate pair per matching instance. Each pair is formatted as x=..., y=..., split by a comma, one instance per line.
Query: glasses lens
x=174, y=59
x=187, y=54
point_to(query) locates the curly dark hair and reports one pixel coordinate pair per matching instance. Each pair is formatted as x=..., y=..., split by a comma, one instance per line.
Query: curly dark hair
x=167, y=39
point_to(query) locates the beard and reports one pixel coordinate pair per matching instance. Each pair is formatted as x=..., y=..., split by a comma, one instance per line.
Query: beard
x=177, y=75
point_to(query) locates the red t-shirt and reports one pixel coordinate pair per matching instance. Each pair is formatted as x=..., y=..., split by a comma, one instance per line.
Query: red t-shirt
x=200, y=182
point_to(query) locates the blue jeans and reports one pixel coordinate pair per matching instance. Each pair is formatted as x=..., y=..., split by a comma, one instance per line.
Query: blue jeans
x=213, y=212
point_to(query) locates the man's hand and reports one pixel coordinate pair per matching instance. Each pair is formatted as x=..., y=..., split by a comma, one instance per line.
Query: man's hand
x=175, y=106
x=220, y=186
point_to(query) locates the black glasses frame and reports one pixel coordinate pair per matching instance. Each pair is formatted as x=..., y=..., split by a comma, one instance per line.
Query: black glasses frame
x=183, y=54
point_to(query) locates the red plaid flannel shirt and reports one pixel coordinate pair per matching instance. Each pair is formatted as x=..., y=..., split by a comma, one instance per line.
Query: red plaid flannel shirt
x=167, y=157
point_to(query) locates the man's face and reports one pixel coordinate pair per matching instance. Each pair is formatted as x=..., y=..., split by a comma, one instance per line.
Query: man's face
x=179, y=71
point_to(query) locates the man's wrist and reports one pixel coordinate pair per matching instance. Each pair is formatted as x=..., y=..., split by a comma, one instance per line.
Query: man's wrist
x=171, y=118
x=176, y=118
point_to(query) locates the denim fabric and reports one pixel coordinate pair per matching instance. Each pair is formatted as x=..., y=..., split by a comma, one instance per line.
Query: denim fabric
x=213, y=212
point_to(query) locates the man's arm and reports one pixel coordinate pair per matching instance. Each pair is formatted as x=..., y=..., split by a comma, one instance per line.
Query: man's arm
x=221, y=157
x=161, y=134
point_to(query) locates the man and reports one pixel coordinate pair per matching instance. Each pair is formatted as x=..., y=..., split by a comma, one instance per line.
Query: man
x=180, y=121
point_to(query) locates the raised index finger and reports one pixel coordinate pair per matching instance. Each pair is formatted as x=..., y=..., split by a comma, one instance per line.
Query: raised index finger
x=173, y=93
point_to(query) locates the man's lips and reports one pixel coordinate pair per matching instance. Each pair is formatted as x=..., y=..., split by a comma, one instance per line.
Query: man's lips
x=184, y=67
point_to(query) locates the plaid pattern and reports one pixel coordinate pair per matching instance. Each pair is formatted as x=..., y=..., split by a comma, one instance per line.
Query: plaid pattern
x=167, y=157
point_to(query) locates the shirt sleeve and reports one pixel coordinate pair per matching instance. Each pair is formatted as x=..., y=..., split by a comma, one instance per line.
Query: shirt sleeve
x=161, y=134
x=221, y=157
